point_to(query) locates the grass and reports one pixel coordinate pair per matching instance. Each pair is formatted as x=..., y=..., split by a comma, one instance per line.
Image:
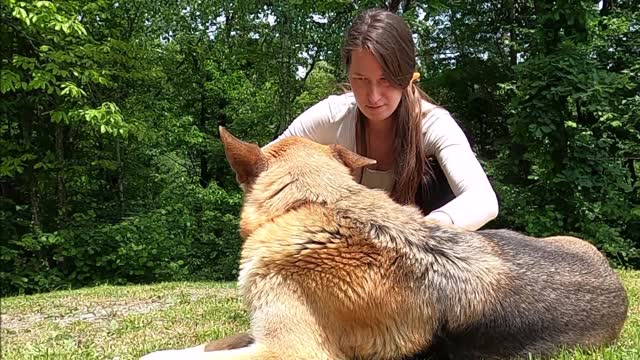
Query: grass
x=126, y=322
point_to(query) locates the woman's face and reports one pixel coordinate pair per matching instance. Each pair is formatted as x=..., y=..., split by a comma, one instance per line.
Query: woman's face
x=376, y=96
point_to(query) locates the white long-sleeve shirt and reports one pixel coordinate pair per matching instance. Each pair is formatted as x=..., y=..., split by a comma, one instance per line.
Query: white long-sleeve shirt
x=333, y=121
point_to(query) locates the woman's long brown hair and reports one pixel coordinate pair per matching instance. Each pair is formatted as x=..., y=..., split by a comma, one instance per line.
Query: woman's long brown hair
x=390, y=40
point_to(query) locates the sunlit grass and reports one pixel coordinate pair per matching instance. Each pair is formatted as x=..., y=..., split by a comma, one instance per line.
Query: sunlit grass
x=126, y=322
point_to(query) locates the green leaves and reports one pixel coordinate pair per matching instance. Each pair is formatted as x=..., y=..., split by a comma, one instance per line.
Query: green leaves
x=69, y=88
x=45, y=16
x=107, y=118
x=12, y=166
x=569, y=166
x=109, y=112
x=21, y=14
x=9, y=81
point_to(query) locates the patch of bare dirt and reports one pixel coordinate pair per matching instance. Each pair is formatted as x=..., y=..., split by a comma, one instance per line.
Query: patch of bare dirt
x=92, y=311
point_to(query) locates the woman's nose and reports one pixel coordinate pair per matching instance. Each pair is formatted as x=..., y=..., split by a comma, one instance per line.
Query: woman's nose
x=374, y=93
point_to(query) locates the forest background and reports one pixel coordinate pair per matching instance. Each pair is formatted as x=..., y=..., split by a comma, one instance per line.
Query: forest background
x=111, y=170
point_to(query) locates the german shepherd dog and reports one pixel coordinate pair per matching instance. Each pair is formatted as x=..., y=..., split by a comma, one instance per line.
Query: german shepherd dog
x=331, y=269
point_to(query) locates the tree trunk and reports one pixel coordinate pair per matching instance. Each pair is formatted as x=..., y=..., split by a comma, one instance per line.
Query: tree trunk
x=517, y=152
x=28, y=114
x=550, y=27
x=513, y=53
x=607, y=6
x=62, y=189
x=393, y=6
x=120, y=178
x=285, y=82
x=205, y=176
x=631, y=165
x=559, y=149
x=407, y=5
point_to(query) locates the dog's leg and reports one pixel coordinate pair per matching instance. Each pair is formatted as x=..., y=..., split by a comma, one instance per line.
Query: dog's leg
x=250, y=352
x=283, y=334
x=288, y=329
x=277, y=349
x=284, y=329
x=254, y=351
x=230, y=342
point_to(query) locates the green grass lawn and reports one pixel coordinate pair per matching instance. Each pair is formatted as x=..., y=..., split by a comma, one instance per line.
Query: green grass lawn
x=126, y=322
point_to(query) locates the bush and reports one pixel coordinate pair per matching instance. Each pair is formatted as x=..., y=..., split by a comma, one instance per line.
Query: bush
x=193, y=237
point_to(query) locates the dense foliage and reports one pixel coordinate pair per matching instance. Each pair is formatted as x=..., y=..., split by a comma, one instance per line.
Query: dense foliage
x=111, y=169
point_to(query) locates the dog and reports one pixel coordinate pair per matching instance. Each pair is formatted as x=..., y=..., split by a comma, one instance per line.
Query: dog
x=331, y=269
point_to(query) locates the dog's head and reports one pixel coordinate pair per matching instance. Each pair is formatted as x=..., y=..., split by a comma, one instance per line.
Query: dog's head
x=287, y=174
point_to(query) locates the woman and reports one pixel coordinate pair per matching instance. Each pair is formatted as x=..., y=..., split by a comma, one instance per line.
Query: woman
x=388, y=118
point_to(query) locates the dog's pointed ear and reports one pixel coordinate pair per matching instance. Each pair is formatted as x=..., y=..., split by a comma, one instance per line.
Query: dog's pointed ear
x=246, y=159
x=350, y=158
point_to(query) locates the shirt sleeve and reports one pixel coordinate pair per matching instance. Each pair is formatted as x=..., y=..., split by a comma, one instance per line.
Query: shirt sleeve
x=475, y=203
x=317, y=123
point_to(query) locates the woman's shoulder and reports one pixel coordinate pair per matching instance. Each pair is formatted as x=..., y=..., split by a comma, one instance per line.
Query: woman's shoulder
x=333, y=109
x=435, y=115
x=440, y=128
x=340, y=106
x=327, y=121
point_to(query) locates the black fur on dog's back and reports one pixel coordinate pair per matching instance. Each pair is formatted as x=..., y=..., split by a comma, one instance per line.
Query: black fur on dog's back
x=562, y=294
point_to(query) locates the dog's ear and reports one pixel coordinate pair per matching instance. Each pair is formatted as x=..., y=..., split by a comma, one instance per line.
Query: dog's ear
x=350, y=158
x=246, y=159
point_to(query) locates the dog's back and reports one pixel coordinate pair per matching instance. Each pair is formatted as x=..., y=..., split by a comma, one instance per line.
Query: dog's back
x=562, y=292
x=495, y=294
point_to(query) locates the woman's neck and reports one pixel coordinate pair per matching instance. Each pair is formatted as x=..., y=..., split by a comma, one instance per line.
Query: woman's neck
x=380, y=128
x=380, y=140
